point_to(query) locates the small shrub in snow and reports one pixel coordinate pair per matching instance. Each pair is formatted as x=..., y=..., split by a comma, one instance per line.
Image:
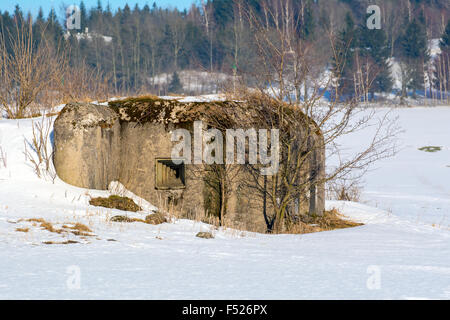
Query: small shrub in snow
x=38, y=151
x=344, y=190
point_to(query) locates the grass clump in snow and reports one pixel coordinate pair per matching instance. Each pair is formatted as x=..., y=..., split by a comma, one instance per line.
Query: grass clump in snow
x=205, y=235
x=45, y=225
x=79, y=227
x=125, y=219
x=116, y=202
x=430, y=149
x=155, y=218
x=60, y=242
x=330, y=220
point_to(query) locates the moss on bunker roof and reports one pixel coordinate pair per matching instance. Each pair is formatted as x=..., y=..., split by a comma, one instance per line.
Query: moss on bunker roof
x=155, y=109
x=225, y=114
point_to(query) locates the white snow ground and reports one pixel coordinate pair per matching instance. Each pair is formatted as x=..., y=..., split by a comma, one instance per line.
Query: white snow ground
x=402, y=251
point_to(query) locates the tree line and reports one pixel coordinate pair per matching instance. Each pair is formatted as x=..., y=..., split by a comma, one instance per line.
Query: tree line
x=126, y=49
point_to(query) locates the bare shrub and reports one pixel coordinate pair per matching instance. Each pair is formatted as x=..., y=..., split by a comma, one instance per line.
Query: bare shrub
x=344, y=189
x=38, y=152
x=82, y=83
x=289, y=76
x=28, y=70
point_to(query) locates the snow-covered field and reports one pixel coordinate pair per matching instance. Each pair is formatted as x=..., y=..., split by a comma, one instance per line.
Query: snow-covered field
x=402, y=251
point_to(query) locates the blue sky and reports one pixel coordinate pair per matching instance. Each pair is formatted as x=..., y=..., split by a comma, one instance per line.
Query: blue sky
x=33, y=5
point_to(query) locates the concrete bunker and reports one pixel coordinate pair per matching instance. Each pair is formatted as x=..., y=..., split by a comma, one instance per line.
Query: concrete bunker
x=129, y=141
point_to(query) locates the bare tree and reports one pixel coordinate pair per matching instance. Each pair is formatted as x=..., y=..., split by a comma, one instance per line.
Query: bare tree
x=310, y=126
x=27, y=69
x=178, y=38
x=442, y=75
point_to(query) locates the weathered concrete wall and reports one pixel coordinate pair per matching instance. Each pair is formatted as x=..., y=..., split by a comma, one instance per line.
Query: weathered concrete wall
x=93, y=148
x=141, y=145
x=87, y=145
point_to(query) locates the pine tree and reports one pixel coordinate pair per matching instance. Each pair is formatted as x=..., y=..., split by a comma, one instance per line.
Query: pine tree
x=414, y=53
x=53, y=30
x=373, y=47
x=175, y=85
x=18, y=14
x=223, y=12
x=52, y=19
x=40, y=16
x=39, y=26
x=99, y=6
x=83, y=16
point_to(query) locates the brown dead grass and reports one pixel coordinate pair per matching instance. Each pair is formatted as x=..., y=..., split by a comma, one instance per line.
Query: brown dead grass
x=60, y=242
x=45, y=225
x=116, y=202
x=125, y=219
x=49, y=227
x=154, y=218
x=79, y=227
x=51, y=114
x=81, y=234
x=330, y=220
x=39, y=220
